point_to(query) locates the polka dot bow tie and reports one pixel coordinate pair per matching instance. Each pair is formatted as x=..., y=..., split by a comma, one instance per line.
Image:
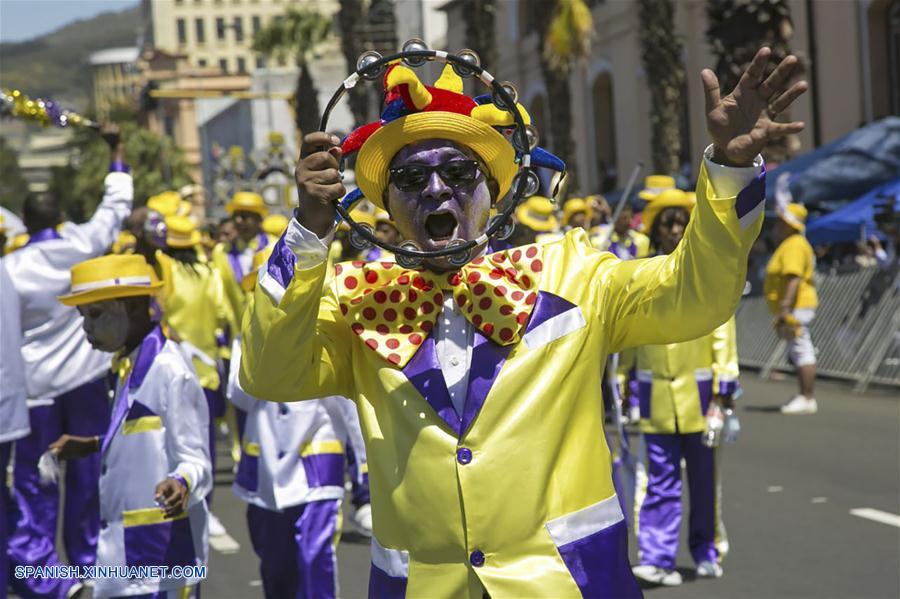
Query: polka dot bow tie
x=393, y=309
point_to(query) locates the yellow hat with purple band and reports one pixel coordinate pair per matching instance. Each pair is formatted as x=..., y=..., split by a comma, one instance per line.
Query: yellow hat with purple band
x=110, y=277
x=247, y=201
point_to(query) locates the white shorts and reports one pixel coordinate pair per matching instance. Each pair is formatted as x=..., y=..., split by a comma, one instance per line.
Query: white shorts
x=800, y=349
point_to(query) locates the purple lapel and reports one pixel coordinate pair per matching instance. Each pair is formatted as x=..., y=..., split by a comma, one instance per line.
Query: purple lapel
x=488, y=358
x=235, y=262
x=424, y=372
x=43, y=235
x=146, y=353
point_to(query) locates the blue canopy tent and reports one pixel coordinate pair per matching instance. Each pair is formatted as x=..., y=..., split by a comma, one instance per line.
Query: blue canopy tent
x=856, y=220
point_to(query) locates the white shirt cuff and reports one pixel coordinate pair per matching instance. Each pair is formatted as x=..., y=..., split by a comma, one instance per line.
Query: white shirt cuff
x=309, y=248
x=728, y=181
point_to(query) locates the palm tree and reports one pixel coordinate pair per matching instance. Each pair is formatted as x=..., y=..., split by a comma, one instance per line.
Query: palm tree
x=736, y=30
x=350, y=19
x=297, y=34
x=562, y=40
x=480, y=16
x=661, y=52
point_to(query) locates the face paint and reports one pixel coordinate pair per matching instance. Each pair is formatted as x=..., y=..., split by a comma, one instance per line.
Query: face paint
x=439, y=212
x=155, y=229
x=106, y=324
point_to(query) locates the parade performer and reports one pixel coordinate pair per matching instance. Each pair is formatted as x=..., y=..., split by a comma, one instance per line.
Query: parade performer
x=154, y=458
x=577, y=212
x=677, y=384
x=620, y=238
x=194, y=306
x=13, y=405
x=291, y=475
x=65, y=377
x=535, y=222
x=477, y=387
x=791, y=294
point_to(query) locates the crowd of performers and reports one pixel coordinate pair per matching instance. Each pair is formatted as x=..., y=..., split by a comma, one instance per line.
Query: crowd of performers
x=477, y=393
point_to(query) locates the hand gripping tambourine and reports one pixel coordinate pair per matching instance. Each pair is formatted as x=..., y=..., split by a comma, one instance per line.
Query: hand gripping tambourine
x=524, y=138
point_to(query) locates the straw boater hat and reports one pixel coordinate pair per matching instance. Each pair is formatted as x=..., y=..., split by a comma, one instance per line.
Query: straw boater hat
x=181, y=232
x=794, y=215
x=575, y=206
x=247, y=201
x=275, y=224
x=654, y=185
x=537, y=214
x=670, y=198
x=415, y=112
x=110, y=277
x=166, y=203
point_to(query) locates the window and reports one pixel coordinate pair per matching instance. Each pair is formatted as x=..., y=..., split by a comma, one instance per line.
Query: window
x=201, y=62
x=182, y=31
x=242, y=64
x=223, y=64
x=238, y=29
x=260, y=63
x=200, y=31
x=220, y=28
x=281, y=61
x=257, y=25
x=605, y=132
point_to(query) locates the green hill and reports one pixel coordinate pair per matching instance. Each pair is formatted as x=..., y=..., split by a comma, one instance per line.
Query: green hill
x=56, y=64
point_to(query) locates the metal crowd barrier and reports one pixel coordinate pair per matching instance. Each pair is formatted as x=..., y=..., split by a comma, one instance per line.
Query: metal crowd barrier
x=856, y=331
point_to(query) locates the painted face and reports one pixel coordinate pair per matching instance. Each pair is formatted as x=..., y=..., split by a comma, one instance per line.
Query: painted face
x=446, y=205
x=106, y=324
x=248, y=224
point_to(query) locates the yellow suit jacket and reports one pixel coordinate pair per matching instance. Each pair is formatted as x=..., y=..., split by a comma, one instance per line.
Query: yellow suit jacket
x=516, y=495
x=676, y=381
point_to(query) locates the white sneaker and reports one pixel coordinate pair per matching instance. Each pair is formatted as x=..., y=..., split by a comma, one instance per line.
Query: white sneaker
x=708, y=569
x=216, y=528
x=800, y=405
x=362, y=520
x=657, y=575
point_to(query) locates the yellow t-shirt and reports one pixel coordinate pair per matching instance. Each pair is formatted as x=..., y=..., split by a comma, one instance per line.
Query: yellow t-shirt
x=793, y=258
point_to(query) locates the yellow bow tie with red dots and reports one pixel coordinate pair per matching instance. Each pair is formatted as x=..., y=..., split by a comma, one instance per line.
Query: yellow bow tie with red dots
x=393, y=309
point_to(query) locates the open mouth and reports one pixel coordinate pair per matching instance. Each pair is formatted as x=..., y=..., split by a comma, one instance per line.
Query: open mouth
x=440, y=225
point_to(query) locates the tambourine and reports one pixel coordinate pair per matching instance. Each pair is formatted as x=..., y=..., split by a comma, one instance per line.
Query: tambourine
x=415, y=53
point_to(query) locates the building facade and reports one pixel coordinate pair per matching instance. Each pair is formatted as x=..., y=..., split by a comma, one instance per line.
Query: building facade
x=853, y=82
x=116, y=79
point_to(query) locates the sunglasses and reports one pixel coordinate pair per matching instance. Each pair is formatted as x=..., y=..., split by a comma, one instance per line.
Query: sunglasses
x=414, y=177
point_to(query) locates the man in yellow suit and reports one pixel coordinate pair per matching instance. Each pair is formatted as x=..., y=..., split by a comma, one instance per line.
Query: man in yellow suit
x=477, y=387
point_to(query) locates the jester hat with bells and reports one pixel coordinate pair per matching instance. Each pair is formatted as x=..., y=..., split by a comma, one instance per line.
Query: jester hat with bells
x=415, y=112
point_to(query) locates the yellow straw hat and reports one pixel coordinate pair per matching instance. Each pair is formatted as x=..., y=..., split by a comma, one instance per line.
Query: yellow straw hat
x=166, y=203
x=654, y=185
x=361, y=216
x=181, y=232
x=248, y=283
x=794, y=215
x=247, y=201
x=275, y=224
x=575, y=206
x=382, y=216
x=537, y=214
x=670, y=198
x=110, y=277
x=124, y=243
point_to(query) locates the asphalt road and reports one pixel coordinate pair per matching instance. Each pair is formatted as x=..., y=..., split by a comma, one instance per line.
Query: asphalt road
x=791, y=485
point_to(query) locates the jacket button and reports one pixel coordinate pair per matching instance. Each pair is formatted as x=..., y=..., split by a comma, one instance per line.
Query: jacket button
x=477, y=558
x=463, y=455
x=283, y=410
x=103, y=524
x=281, y=455
x=103, y=470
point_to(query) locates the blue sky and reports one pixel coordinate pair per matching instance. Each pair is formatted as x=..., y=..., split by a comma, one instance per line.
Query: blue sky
x=22, y=20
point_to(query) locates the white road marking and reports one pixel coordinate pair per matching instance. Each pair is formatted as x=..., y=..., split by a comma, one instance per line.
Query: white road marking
x=255, y=583
x=877, y=516
x=775, y=489
x=819, y=500
x=224, y=544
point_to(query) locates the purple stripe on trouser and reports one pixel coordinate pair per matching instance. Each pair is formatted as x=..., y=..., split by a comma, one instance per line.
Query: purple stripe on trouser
x=296, y=549
x=324, y=469
x=660, y=515
x=384, y=586
x=599, y=564
x=84, y=411
x=360, y=481
x=6, y=516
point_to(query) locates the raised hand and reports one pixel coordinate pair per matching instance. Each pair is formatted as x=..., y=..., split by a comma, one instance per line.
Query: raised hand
x=742, y=123
x=318, y=181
